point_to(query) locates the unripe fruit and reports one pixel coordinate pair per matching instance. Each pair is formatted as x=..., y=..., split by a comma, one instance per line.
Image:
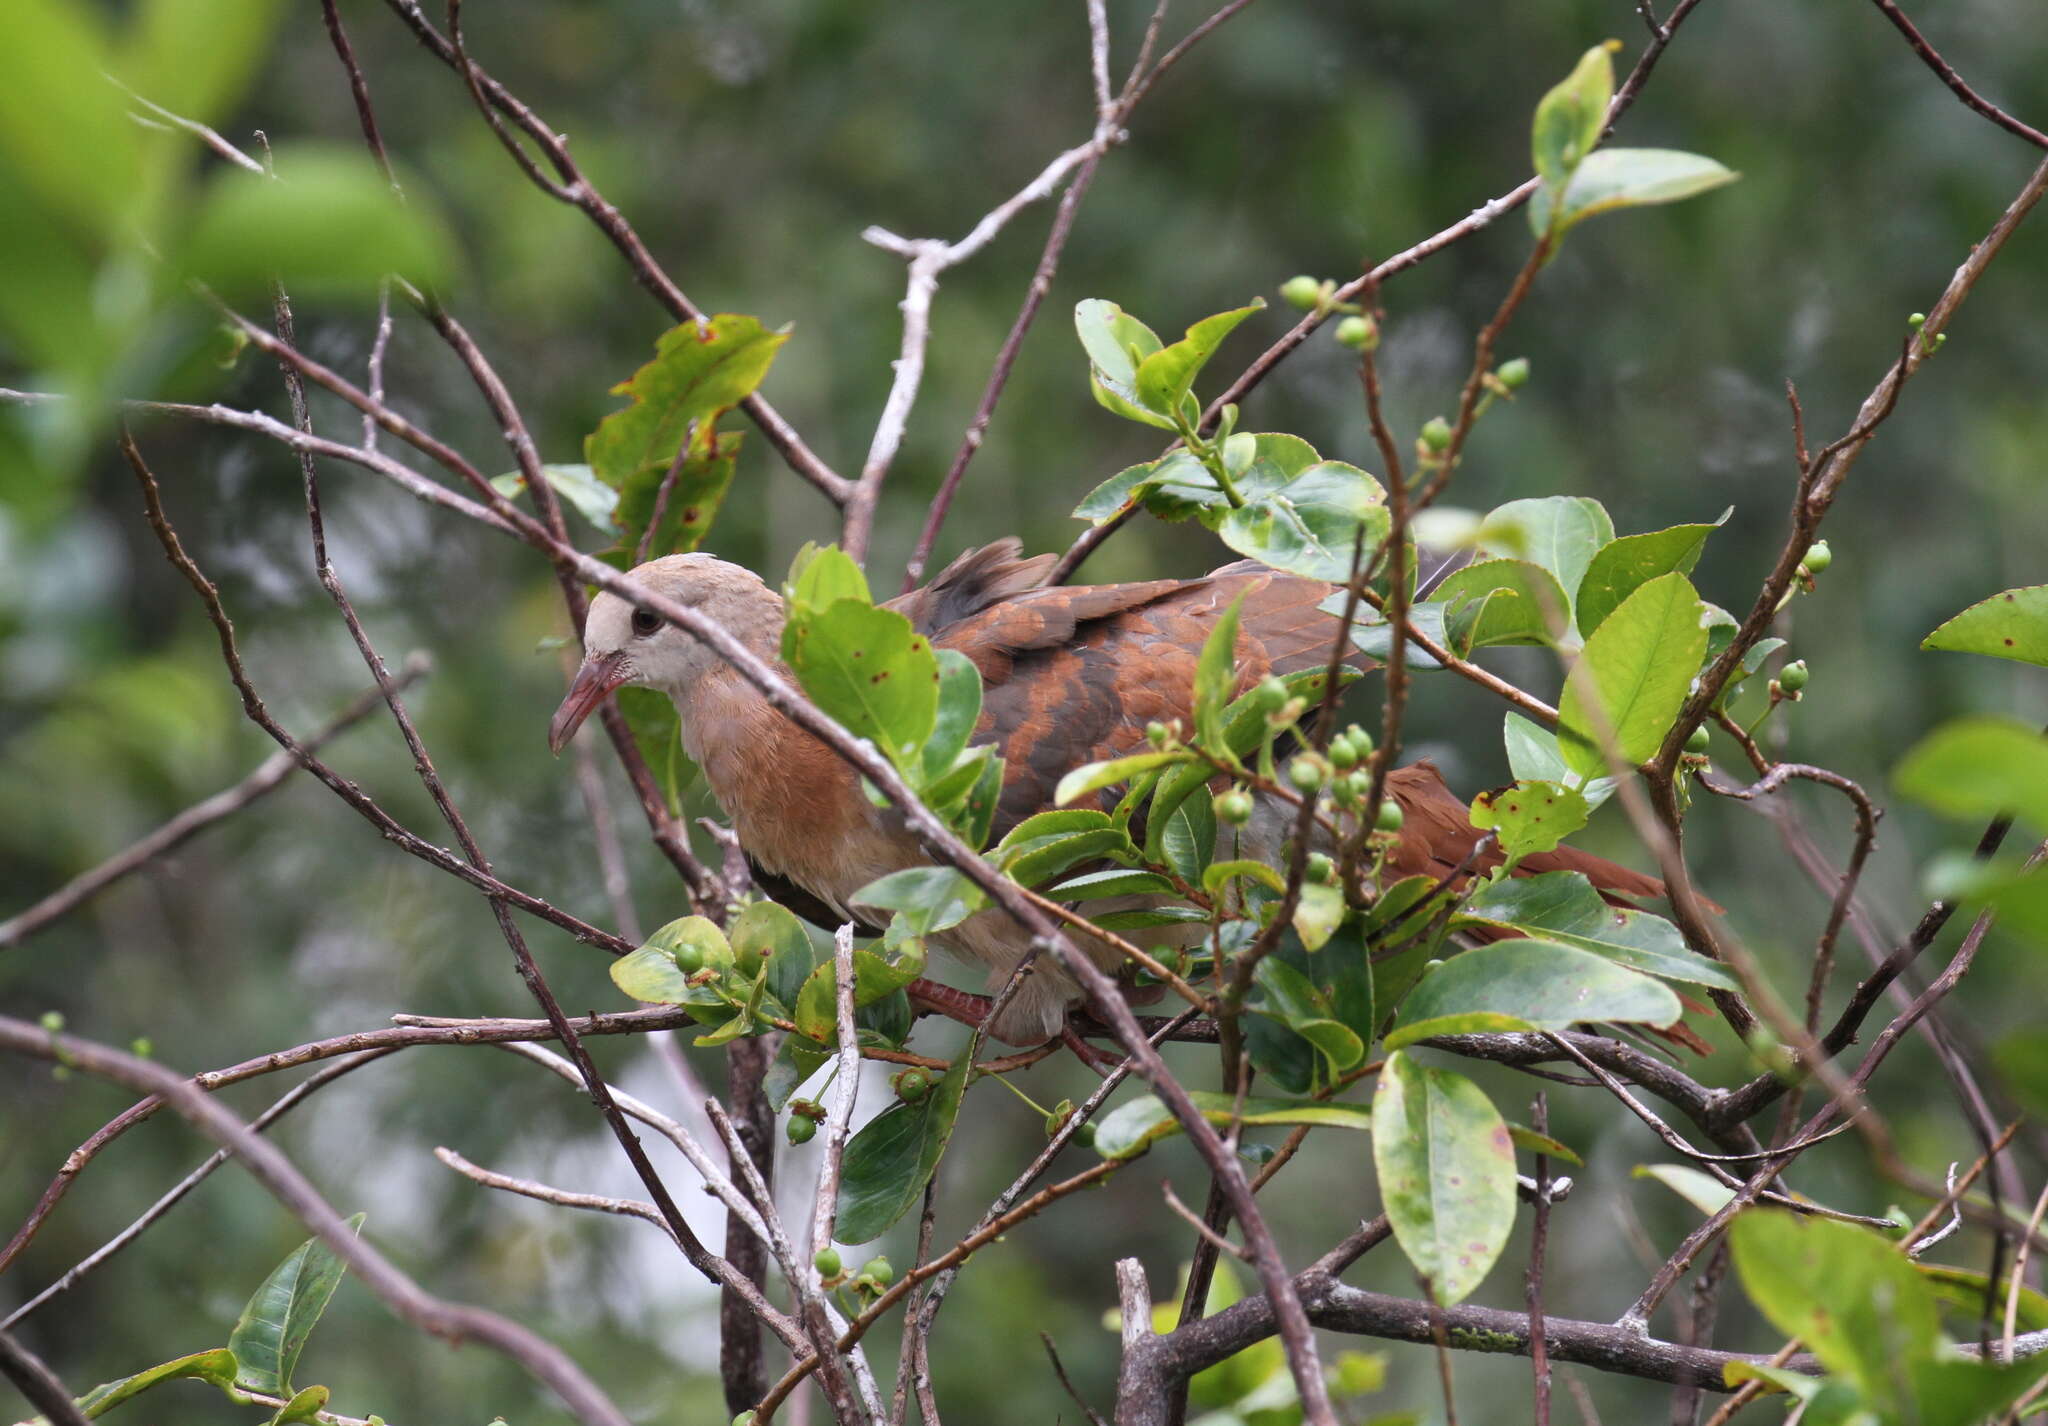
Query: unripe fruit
x=1360, y=783
x=1436, y=435
x=1321, y=870
x=1359, y=739
x=1390, y=816
x=1272, y=696
x=1514, y=374
x=1792, y=677
x=745, y=1418
x=1343, y=756
x=1817, y=558
x=1360, y=334
x=800, y=1130
x=826, y=1261
x=1156, y=733
x=689, y=958
x=1085, y=1136
x=1303, y=291
x=1697, y=743
x=878, y=1272
x=911, y=1084
x=1306, y=774
x=1234, y=808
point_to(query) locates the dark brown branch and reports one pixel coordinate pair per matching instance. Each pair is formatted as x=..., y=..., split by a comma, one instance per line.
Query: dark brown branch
x=1931, y=57
x=33, y=1378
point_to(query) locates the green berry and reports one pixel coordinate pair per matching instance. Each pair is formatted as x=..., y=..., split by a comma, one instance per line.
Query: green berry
x=142, y=1047
x=1697, y=743
x=1306, y=774
x=1321, y=870
x=1085, y=1136
x=1156, y=733
x=1390, y=816
x=1343, y=756
x=52, y=1021
x=1359, y=739
x=1792, y=677
x=746, y=1418
x=1272, y=694
x=1303, y=292
x=826, y=1261
x=800, y=1130
x=1817, y=558
x=689, y=957
x=1360, y=334
x=1514, y=375
x=1436, y=435
x=911, y=1084
x=1234, y=808
x=1360, y=783
x=1917, y=320
x=878, y=1272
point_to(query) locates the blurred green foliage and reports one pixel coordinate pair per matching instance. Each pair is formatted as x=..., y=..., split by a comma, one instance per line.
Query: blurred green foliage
x=750, y=144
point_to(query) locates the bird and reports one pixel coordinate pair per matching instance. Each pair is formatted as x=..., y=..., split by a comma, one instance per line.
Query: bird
x=1071, y=674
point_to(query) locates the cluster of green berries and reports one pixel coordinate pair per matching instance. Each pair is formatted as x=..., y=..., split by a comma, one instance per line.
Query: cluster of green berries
x=874, y=1276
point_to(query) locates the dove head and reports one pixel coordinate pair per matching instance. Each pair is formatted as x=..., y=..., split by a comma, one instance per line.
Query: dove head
x=623, y=644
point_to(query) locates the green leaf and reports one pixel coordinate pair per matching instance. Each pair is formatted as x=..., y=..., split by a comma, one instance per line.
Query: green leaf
x=889, y=1161
x=1187, y=837
x=926, y=899
x=1040, y=859
x=64, y=130
x=1562, y=533
x=1116, y=343
x=870, y=670
x=578, y=485
x=959, y=709
x=1501, y=601
x=1447, y=1173
x=1258, y=466
x=196, y=57
x=1110, y=497
x=1100, y=885
x=1570, y=117
x=1533, y=757
x=1544, y=984
x=651, y=973
x=1628, y=178
x=1216, y=678
x=816, y=1009
x=276, y=1321
x=1310, y=525
x=1529, y=817
x=1219, y=874
x=217, y=1366
x=2011, y=625
x=1535, y=1143
x=1979, y=767
x=1697, y=1187
x=1641, y=661
x=1136, y=1125
x=1291, y=999
x=1851, y=1296
x=1964, y=1290
x=774, y=934
x=328, y=227
x=1374, y=636
x=1093, y=777
x=1622, y=566
x=1164, y=378
x=795, y=1062
x=700, y=370
x=1563, y=906
x=821, y=576
x=1317, y=914
x=303, y=1406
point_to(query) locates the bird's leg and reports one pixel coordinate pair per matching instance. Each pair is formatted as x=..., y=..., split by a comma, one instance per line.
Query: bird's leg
x=1086, y=1053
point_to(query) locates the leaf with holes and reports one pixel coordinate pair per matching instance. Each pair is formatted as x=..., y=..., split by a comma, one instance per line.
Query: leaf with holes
x=1447, y=1173
x=699, y=371
x=1529, y=817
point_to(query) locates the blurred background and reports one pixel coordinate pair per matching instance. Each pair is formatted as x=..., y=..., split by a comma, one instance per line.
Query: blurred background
x=750, y=144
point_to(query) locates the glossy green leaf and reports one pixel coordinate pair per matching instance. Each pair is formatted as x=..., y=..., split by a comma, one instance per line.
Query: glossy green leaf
x=1110, y=497
x=2018, y=893
x=282, y=1313
x=2010, y=625
x=891, y=1159
x=775, y=936
x=217, y=1366
x=1164, y=378
x=1216, y=678
x=1963, y=1289
x=1501, y=601
x=1136, y=1125
x=959, y=708
x=651, y=973
x=1849, y=1294
x=1447, y=1173
x=870, y=670
x=1099, y=885
x=63, y=129
x=1374, y=636
x=1258, y=465
x=578, y=485
x=816, y=1010
x=1563, y=906
x=1287, y=996
x=328, y=227
x=822, y=575
x=1570, y=117
x=1529, y=817
x=1544, y=984
x=1220, y=874
x=699, y=370
x=1962, y=1392
x=926, y=898
x=1533, y=757
x=1622, y=566
x=1697, y=1187
x=1561, y=533
x=1143, y=917
x=1116, y=343
x=1528, y=1139
x=1093, y=777
x=1311, y=525
x=693, y=502
x=795, y=1062
x=1041, y=859
x=1628, y=178
x=1186, y=837
x=651, y=976
x=304, y=1406
x=196, y=57
x=1317, y=914
x=1641, y=662
x=1979, y=767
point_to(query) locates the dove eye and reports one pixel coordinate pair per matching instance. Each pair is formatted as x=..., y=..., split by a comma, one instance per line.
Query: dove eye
x=645, y=623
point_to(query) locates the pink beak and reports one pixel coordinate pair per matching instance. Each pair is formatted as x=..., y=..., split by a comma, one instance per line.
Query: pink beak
x=594, y=681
